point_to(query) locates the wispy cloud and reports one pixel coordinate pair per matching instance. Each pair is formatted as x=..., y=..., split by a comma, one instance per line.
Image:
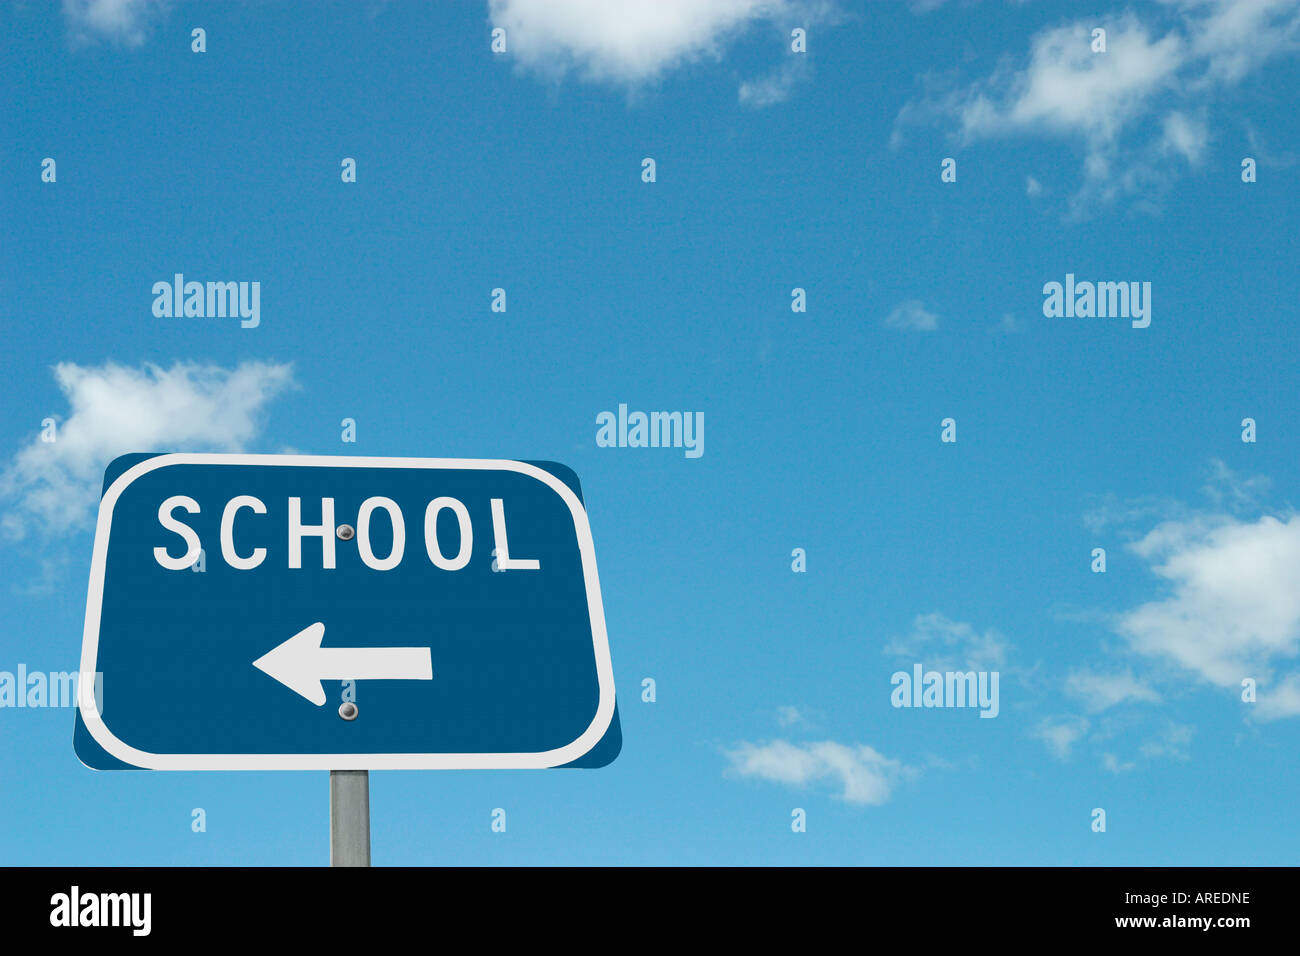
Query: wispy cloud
x=1100, y=691
x=1061, y=734
x=1008, y=324
x=118, y=21
x=1184, y=136
x=1228, y=489
x=1113, y=764
x=1112, y=513
x=115, y=409
x=1172, y=742
x=912, y=314
x=1281, y=699
x=946, y=645
x=777, y=86
x=862, y=774
x=1130, y=107
x=788, y=716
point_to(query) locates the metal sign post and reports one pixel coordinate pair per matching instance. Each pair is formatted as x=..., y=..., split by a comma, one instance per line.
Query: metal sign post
x=349, y=818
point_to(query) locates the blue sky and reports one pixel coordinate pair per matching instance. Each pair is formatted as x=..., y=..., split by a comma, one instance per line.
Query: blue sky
x=774, y=170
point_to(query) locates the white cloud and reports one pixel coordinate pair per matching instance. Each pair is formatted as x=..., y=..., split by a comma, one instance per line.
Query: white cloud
x=912, y=314
x=1236, y=36
x=943, y=644
x=1101, y=691
x=787, y=716
x=113, y=410
x=120, y=21
x=864, y=775
x=631, y=41
x=1226, y=488
x=1185, y=136
x=1112, y=763
x=1109, y=511
x=1033, y=187
x=1061, y=735
x=1230, y=608
x=1172, y=741
x=1265, y=152
x=776, y=87
x=1066, y=88
x=1281, y=700
x=1106, y=101
x=1234, y=607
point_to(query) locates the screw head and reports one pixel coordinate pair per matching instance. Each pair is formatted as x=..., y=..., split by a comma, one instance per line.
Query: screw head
x=348, y=710
x=345, y=532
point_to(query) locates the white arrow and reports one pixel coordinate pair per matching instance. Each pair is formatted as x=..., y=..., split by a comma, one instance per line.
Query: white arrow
x=300, y=663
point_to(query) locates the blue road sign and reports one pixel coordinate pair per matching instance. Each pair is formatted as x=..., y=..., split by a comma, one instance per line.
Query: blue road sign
x=232, y=596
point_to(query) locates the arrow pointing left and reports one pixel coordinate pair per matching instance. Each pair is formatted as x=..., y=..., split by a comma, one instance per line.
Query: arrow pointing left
x=300, y=663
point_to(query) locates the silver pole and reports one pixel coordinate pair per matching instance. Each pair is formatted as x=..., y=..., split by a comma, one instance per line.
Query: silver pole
x=349, y=818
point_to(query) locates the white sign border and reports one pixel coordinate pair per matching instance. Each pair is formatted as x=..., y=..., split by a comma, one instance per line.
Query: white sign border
x=440, y=761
